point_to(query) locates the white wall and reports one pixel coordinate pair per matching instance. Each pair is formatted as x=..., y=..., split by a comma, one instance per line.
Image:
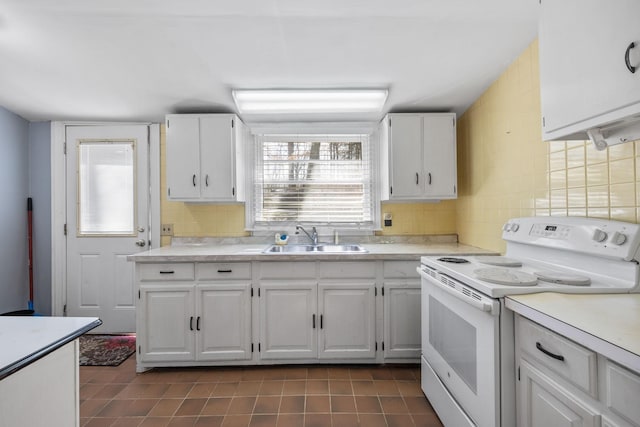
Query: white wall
x=40, y=192
x=14, y=189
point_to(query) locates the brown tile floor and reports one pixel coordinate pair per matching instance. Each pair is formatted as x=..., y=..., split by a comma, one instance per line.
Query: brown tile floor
x=305, y=396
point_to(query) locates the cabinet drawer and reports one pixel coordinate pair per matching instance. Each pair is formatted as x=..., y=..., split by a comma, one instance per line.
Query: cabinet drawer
x=569, y=360
x=622, y=389
x=287, y=270
x=347, y=270
x=227, y=270
x=401, y=269
x=168, y=271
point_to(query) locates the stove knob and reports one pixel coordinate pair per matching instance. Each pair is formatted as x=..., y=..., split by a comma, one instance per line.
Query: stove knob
x=514, y=227
x=599, y=235
x=506, y=227
x=618, y=238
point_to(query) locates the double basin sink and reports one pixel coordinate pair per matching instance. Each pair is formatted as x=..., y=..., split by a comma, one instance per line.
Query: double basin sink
x=315, y=249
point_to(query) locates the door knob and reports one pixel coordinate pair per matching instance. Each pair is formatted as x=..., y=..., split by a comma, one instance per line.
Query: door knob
x=141, y=242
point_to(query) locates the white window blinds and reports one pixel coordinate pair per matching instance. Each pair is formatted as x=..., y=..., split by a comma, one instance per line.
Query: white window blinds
x=320, y=179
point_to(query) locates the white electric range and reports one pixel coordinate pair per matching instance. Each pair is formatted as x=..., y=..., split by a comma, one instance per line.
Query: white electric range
x=468, y=366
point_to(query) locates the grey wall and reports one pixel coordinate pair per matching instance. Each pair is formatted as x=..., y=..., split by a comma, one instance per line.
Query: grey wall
x=40, y=192
x=14, y=189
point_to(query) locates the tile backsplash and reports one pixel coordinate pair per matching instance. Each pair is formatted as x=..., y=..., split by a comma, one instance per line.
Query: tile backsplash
x=506, y=170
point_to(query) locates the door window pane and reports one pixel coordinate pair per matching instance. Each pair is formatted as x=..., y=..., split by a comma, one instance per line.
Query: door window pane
x=106, y=187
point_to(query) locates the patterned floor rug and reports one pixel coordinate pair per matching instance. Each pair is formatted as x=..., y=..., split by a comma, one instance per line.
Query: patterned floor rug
x=106, y=350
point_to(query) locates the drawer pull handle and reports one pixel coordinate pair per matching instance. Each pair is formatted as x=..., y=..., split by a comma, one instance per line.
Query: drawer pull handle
x=225, y=271
x=627, y=62
x=167, y=272
x=548, y=353
x=191, y=323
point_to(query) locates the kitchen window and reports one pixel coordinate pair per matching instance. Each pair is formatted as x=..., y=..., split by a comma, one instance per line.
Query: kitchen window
x=316, y=179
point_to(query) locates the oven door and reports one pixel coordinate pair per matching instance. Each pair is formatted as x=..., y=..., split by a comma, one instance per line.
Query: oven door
x=460, y=344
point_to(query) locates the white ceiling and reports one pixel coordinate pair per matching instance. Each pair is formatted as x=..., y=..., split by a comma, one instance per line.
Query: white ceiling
x=139, y=60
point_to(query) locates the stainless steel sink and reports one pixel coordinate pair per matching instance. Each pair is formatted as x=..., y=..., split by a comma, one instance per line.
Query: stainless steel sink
x=322, y=248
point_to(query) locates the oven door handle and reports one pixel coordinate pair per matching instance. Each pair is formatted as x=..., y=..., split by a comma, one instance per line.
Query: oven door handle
x=480, y=305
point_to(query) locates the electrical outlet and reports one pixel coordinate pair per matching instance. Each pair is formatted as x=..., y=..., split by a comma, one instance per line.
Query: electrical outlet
x=387, y=219
x=166, y=230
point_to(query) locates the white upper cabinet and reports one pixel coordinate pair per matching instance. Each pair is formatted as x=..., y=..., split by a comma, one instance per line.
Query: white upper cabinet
x=590, y=70
x=205, y=157
x=418, y=157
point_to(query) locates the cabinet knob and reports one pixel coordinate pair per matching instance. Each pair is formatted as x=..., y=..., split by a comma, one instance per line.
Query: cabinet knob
x=141, y=242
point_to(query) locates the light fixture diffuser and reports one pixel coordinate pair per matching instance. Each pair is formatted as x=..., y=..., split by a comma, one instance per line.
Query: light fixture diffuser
x=289, y=101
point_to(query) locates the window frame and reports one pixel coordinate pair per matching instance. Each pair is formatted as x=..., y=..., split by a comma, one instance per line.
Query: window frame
x=355, y=228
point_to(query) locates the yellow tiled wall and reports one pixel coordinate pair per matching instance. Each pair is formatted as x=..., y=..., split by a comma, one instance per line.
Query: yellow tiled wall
x=505, y=170
x=420, y=218
x=207, y=220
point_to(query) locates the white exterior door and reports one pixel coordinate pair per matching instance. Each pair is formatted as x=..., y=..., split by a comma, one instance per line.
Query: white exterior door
x=288, y=320
x=223, y=323
x=107, y=209
x=347, y=320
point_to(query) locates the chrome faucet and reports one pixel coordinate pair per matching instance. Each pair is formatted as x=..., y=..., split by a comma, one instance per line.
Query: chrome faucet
x=313, y=236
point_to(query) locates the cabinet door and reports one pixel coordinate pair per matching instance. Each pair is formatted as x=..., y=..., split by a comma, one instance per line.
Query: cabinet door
x=405, y=156
x=183, y=157
x=167, y=324
x=223, y=322
x=402, y=319
x=542, y=403
x=347, y=320
x=583, y=76
x=288, y=320
x=217, y=157
x=440, y=176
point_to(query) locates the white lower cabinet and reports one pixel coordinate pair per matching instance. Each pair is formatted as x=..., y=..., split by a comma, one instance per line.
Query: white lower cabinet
x=402, y=332
x=288, y=320
x=165, y=322
x=304, y=320
x=195, y=322
x=347, y=320
x=223, y=321
x=562, y=383
x=543, y=403
x=208, y=313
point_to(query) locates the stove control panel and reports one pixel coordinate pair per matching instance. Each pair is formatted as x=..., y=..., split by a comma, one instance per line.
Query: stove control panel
x=612, y=239
x=550, y=231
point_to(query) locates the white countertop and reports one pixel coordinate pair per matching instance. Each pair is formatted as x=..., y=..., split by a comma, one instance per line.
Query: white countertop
x=253, y=252
x=24, y=339
x=607, y=323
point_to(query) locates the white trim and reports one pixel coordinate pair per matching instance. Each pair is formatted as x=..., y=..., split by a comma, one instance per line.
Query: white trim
x=58, y=219
x=59, y=198
x=154, y=185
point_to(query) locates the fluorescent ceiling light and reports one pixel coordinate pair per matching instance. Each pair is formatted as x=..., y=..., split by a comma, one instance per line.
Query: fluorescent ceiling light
x=309, y=101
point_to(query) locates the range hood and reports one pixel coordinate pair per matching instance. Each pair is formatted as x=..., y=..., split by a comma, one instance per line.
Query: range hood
x=614, y=133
